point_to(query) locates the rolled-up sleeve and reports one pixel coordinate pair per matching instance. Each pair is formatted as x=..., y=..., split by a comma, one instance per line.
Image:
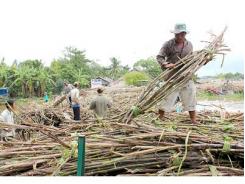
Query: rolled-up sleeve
x=163, y=53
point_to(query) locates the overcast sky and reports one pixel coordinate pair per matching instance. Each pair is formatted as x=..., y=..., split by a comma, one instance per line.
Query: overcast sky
x=127, y=29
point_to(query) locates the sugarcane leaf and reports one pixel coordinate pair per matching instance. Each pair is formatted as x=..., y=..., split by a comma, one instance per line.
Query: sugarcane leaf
x=213, y=170
x=172, y=127
x=161, y=136
x=227, y=144
x=176, y=160
x=227, y=138
x=186, y=149
x=226, y=147
x=228, y=127
x=136, y=111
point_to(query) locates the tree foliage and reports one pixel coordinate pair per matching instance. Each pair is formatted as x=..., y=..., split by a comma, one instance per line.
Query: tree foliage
x=230, y=76
x=135, y=78
x=149, y=66
x=31, y=78
x=116, y=69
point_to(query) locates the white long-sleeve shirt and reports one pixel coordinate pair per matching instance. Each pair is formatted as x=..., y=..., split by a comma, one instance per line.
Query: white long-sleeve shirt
x=7, y=117
x=75, y=96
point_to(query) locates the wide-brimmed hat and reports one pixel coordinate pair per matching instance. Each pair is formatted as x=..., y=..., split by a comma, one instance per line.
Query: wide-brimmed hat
x=178, y=28
x=76, y=84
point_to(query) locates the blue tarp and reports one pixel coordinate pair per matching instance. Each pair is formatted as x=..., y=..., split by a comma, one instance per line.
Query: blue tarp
x=3, y=91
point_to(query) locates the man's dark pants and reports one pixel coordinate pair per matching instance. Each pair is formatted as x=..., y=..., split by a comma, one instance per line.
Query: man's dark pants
x=70, y=101
x=76, y=111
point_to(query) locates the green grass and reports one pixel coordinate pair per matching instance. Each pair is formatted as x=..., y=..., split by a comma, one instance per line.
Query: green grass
x=24, y=101
x=208, y=96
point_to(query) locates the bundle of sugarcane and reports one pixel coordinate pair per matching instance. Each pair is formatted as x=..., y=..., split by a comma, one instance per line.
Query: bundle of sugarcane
x=46, y=116
x=59, y=100
x=49, y=115
x=175, y=78
x=145, y=147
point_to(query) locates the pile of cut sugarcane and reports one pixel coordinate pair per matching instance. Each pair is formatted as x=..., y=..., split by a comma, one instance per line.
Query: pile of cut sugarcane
x=147, y=146
x=175, y=78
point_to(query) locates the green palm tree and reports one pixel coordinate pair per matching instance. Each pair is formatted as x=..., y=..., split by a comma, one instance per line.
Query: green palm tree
x=115, y=67
x=81, y=77
x=3, y=75
x=24, y=77
x=44, y=78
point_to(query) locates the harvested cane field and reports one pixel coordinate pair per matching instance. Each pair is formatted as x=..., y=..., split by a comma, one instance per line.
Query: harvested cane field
x=145, y=146
x=131, y=140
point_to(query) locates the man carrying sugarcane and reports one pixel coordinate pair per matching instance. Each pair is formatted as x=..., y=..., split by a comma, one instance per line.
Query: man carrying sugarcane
x=170, y=53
